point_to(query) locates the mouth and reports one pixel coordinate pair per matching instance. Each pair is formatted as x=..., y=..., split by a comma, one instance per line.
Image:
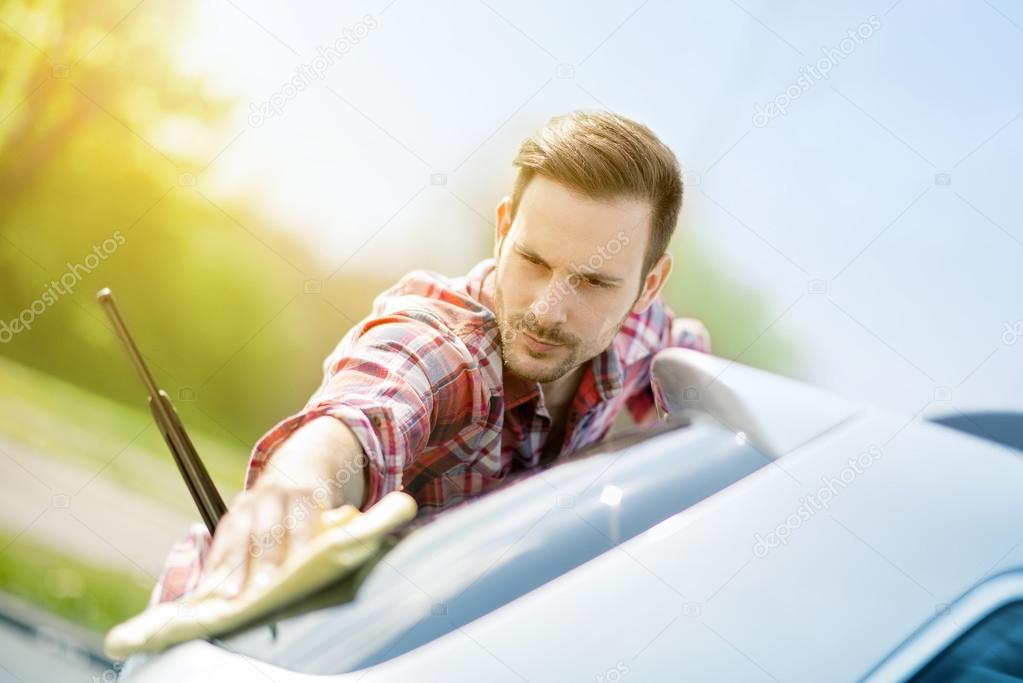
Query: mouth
x=537, y=345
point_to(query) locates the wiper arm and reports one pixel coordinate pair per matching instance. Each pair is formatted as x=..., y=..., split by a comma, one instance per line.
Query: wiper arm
x=197, y=479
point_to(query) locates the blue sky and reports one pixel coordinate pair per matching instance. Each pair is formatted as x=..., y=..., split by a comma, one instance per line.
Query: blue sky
x=880, y=215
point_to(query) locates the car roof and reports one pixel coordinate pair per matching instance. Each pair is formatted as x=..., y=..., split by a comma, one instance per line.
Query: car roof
x=936, y=513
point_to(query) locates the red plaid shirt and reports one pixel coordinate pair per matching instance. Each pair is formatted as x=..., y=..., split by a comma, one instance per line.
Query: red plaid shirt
x=421, y=384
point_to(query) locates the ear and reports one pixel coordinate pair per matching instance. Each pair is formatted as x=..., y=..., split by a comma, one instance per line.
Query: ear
x=653, y=283
x=502, y=224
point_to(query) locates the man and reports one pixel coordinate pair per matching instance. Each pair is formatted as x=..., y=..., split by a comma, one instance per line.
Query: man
x=451, y=384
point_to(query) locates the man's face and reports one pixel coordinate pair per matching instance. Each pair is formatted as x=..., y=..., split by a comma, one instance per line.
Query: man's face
x=569, y=272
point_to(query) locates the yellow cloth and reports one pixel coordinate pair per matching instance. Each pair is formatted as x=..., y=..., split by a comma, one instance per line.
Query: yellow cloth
x=345, y=539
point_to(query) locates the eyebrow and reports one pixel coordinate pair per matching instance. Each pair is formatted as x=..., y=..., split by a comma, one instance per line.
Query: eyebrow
x=608, y=279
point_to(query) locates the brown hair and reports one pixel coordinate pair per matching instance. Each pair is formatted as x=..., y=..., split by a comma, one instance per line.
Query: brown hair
x=605, y=156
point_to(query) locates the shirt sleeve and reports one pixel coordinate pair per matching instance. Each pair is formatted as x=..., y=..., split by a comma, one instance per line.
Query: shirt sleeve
x=397, y=381
x=688, y=333
x=182, y=568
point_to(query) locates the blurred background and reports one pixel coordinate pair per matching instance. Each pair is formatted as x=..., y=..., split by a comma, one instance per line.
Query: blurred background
x=247, y=176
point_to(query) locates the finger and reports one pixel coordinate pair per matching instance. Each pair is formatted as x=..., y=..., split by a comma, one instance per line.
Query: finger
x=269, y=540
x=230, y=580
x=304, y=511
x=226, y=564
x=226, y=534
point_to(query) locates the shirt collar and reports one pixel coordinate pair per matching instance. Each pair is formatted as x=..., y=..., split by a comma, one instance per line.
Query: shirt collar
x=606, y=369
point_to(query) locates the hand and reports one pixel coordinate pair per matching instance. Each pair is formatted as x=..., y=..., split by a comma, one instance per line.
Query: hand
x=320, y=466
x=264, y=525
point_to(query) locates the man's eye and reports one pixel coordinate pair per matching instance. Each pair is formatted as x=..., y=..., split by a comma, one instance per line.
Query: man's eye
x=598, y=283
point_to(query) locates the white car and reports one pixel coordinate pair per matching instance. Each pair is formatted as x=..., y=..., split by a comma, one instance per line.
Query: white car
x=768, y=532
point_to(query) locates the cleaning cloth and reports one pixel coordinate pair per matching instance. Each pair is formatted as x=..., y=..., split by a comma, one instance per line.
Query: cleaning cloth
x=345, y=538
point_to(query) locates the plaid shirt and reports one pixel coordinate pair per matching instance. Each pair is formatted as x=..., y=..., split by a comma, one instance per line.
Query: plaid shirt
x=421, y=384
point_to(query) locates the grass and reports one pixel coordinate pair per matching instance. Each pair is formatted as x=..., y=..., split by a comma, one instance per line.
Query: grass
x=92, y=596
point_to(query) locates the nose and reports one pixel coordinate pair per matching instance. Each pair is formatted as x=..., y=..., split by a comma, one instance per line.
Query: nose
x=550, y=304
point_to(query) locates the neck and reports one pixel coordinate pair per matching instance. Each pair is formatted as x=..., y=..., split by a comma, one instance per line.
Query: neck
x=561, y=390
